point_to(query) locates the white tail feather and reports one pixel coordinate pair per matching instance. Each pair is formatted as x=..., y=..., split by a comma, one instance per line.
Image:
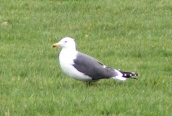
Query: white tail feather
x=119, y=78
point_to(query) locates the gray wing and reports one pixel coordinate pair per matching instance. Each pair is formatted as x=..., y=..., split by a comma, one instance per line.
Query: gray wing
x=92, y=68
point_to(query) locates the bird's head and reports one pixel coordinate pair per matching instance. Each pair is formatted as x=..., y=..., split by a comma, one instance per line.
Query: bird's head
x=66, y=42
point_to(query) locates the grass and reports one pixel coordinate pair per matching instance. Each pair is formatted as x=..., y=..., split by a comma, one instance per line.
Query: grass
x=130, y=35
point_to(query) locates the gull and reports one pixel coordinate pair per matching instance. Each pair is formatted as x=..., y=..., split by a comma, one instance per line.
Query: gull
x=85, y=68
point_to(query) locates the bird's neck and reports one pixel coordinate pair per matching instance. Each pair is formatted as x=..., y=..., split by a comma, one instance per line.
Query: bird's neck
x=66, y=52
x=71, y=49
x=67, y=55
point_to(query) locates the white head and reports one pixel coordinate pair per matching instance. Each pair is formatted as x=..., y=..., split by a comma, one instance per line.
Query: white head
x=66, y=42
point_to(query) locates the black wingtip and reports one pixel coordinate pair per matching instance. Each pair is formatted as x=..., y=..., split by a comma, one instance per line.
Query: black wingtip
x=131, y=75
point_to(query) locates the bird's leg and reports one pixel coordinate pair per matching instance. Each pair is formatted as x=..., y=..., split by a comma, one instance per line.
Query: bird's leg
x=88, y=83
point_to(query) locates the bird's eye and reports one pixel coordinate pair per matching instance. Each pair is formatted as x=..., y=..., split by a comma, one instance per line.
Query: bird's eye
x=65, y=41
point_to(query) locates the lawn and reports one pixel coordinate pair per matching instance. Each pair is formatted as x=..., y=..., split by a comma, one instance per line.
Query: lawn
x=130, y=35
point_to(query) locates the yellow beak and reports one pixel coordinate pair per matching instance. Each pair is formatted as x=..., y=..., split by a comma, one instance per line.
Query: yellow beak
x=55, y=45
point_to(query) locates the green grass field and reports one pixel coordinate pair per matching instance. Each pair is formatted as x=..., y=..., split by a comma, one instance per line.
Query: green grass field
x=132, y=35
